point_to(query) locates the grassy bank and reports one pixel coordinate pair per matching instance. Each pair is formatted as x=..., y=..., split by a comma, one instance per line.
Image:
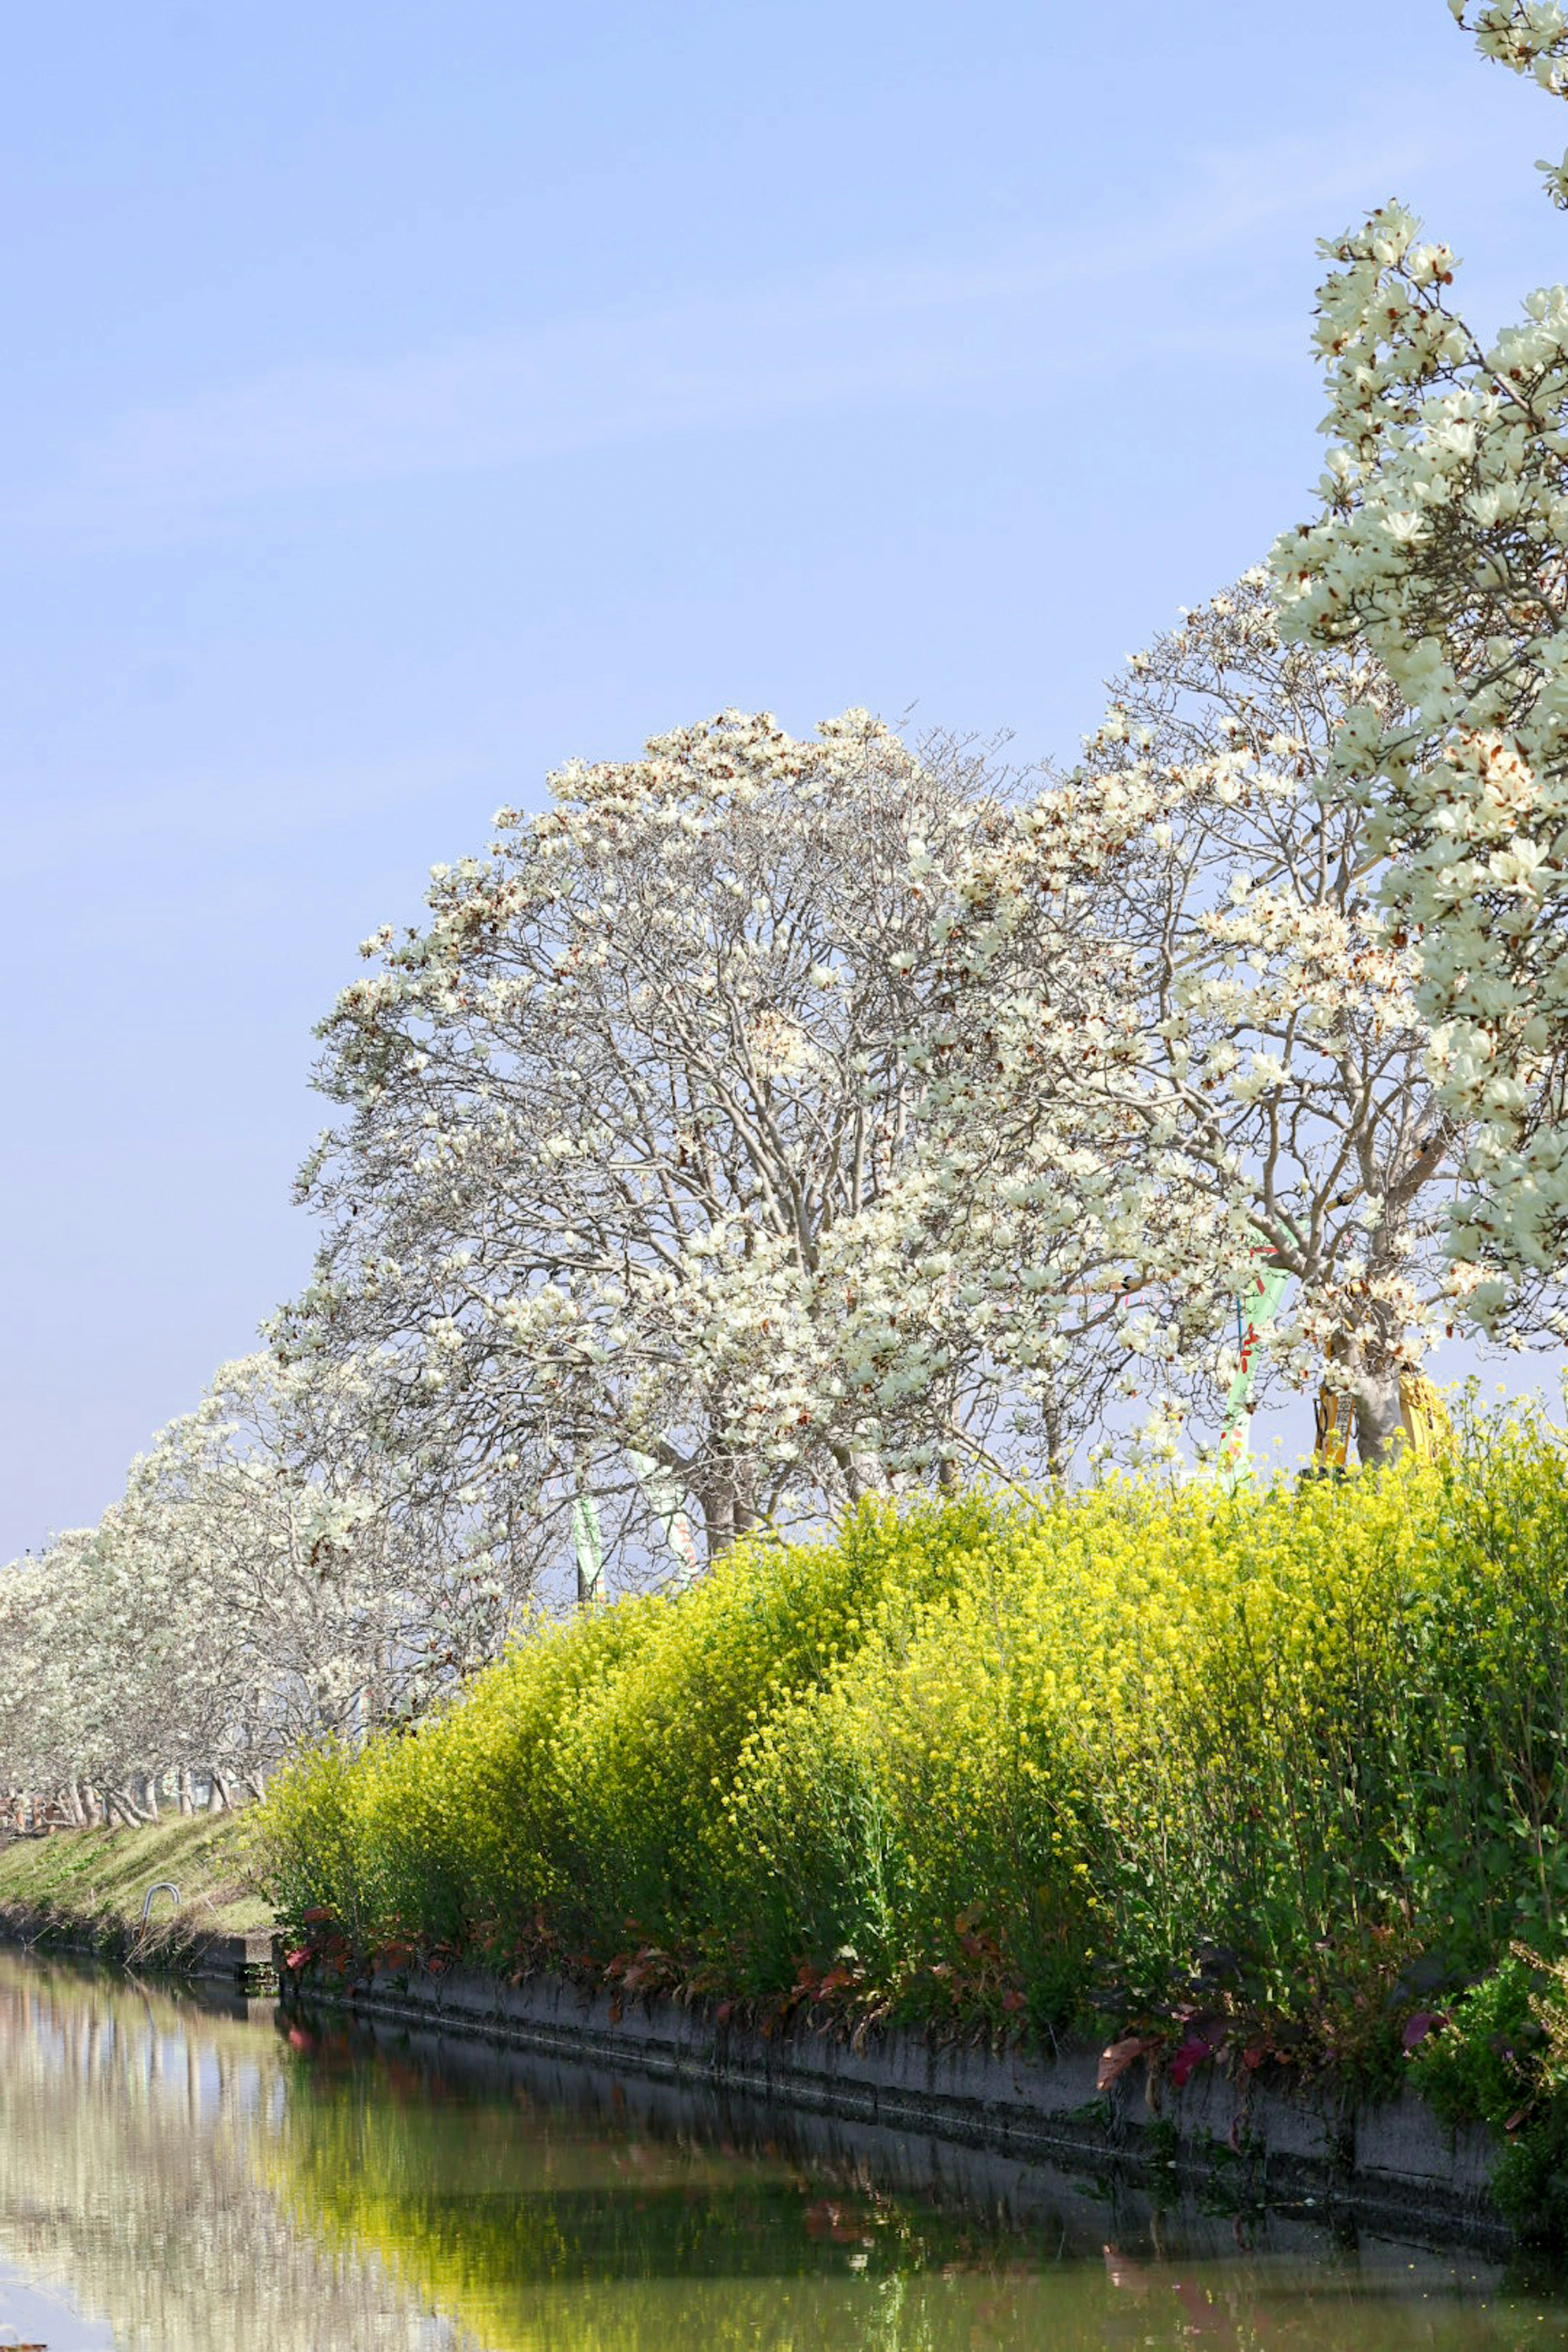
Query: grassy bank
x=1270, y=1783
x=97, y=1880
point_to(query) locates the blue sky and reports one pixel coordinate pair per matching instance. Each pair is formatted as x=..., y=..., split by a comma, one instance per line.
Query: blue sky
x=400, y=401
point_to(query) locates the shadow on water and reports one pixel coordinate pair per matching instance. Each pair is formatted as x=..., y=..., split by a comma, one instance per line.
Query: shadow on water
x=193, y=2171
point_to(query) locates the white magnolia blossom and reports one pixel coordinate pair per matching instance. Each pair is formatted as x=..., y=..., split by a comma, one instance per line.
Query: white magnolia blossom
x=1528, y=36
x=1442, y=548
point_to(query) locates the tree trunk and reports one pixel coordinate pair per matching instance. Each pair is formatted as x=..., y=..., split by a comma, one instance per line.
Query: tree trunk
x=187, y=1793
x=73, y=1805
x=863, y=1475
x=1379, y=1429
x=1056, y=1449
x=222, y=1798
x=719, y=1519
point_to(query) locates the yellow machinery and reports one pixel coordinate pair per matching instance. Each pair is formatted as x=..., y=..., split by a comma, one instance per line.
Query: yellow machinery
x=1334, y=1415
x=1424, y=1420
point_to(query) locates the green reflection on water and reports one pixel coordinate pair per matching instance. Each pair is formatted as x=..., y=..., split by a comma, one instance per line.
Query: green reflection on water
x=196, y=2180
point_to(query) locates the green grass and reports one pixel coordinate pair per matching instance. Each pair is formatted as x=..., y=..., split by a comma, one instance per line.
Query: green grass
x=99, y=1878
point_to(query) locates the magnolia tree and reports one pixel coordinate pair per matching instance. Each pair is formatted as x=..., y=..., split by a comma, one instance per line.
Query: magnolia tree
x=1252, y=1070
x=1275, y=1009
x=91, y=1680
x=630, y=1197
x=263, y=1579
x=1442, y=548
x=36, y=1750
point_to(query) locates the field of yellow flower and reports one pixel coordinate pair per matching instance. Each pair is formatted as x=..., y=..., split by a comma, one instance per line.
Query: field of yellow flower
x=1270, y=1779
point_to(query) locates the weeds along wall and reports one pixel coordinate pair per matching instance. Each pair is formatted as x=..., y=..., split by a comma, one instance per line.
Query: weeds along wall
x=1121, y=1754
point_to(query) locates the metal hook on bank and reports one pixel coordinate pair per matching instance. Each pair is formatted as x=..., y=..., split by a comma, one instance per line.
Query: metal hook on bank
x=159, y=1886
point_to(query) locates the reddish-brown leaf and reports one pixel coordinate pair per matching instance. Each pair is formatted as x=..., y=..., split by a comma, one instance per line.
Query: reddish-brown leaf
x=1115, y=2061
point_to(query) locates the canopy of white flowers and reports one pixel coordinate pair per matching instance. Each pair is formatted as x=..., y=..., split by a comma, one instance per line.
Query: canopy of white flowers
x=1442, y=548
x=264, y=1579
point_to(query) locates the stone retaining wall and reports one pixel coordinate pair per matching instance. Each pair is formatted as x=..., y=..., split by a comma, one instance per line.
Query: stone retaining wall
x=1390, y=2165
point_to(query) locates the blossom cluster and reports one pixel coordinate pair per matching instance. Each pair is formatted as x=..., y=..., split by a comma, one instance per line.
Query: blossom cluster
x=1528, y=36
x=1442, y=550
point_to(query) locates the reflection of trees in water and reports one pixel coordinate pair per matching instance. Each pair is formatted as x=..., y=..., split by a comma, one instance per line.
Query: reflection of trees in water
x=550, y=2209
x=544, y=2225
x=130, y=2130
x=547, y=2230
x=205, y=2191
x=538, y=2239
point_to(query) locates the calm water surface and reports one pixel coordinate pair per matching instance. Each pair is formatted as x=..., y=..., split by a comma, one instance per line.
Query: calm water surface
x=184, y=2180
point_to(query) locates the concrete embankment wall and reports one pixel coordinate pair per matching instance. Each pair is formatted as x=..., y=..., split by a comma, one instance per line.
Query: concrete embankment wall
x=1391, y=2166
x=167, y=1946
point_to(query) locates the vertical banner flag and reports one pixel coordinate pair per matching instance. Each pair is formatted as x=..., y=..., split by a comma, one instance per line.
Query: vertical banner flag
x=663, y=1491
x=1254, y=1313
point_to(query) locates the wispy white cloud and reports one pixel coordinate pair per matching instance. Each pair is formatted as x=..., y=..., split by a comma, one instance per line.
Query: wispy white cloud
x=1007, y=324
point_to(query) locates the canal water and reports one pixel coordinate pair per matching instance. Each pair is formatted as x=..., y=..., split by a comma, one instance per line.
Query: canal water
x=196, y=2175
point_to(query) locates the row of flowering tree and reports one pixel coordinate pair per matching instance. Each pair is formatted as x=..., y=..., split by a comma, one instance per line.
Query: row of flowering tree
x=771, y=1123
x=767, y=1124
x=262, y=1581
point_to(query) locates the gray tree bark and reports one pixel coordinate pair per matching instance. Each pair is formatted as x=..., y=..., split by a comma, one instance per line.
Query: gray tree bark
x=1379, y=1427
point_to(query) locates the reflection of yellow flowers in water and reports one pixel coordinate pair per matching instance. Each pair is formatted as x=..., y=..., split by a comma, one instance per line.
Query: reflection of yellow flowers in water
x=531, y=2231
x=528, y=2238
x=960, y=1764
